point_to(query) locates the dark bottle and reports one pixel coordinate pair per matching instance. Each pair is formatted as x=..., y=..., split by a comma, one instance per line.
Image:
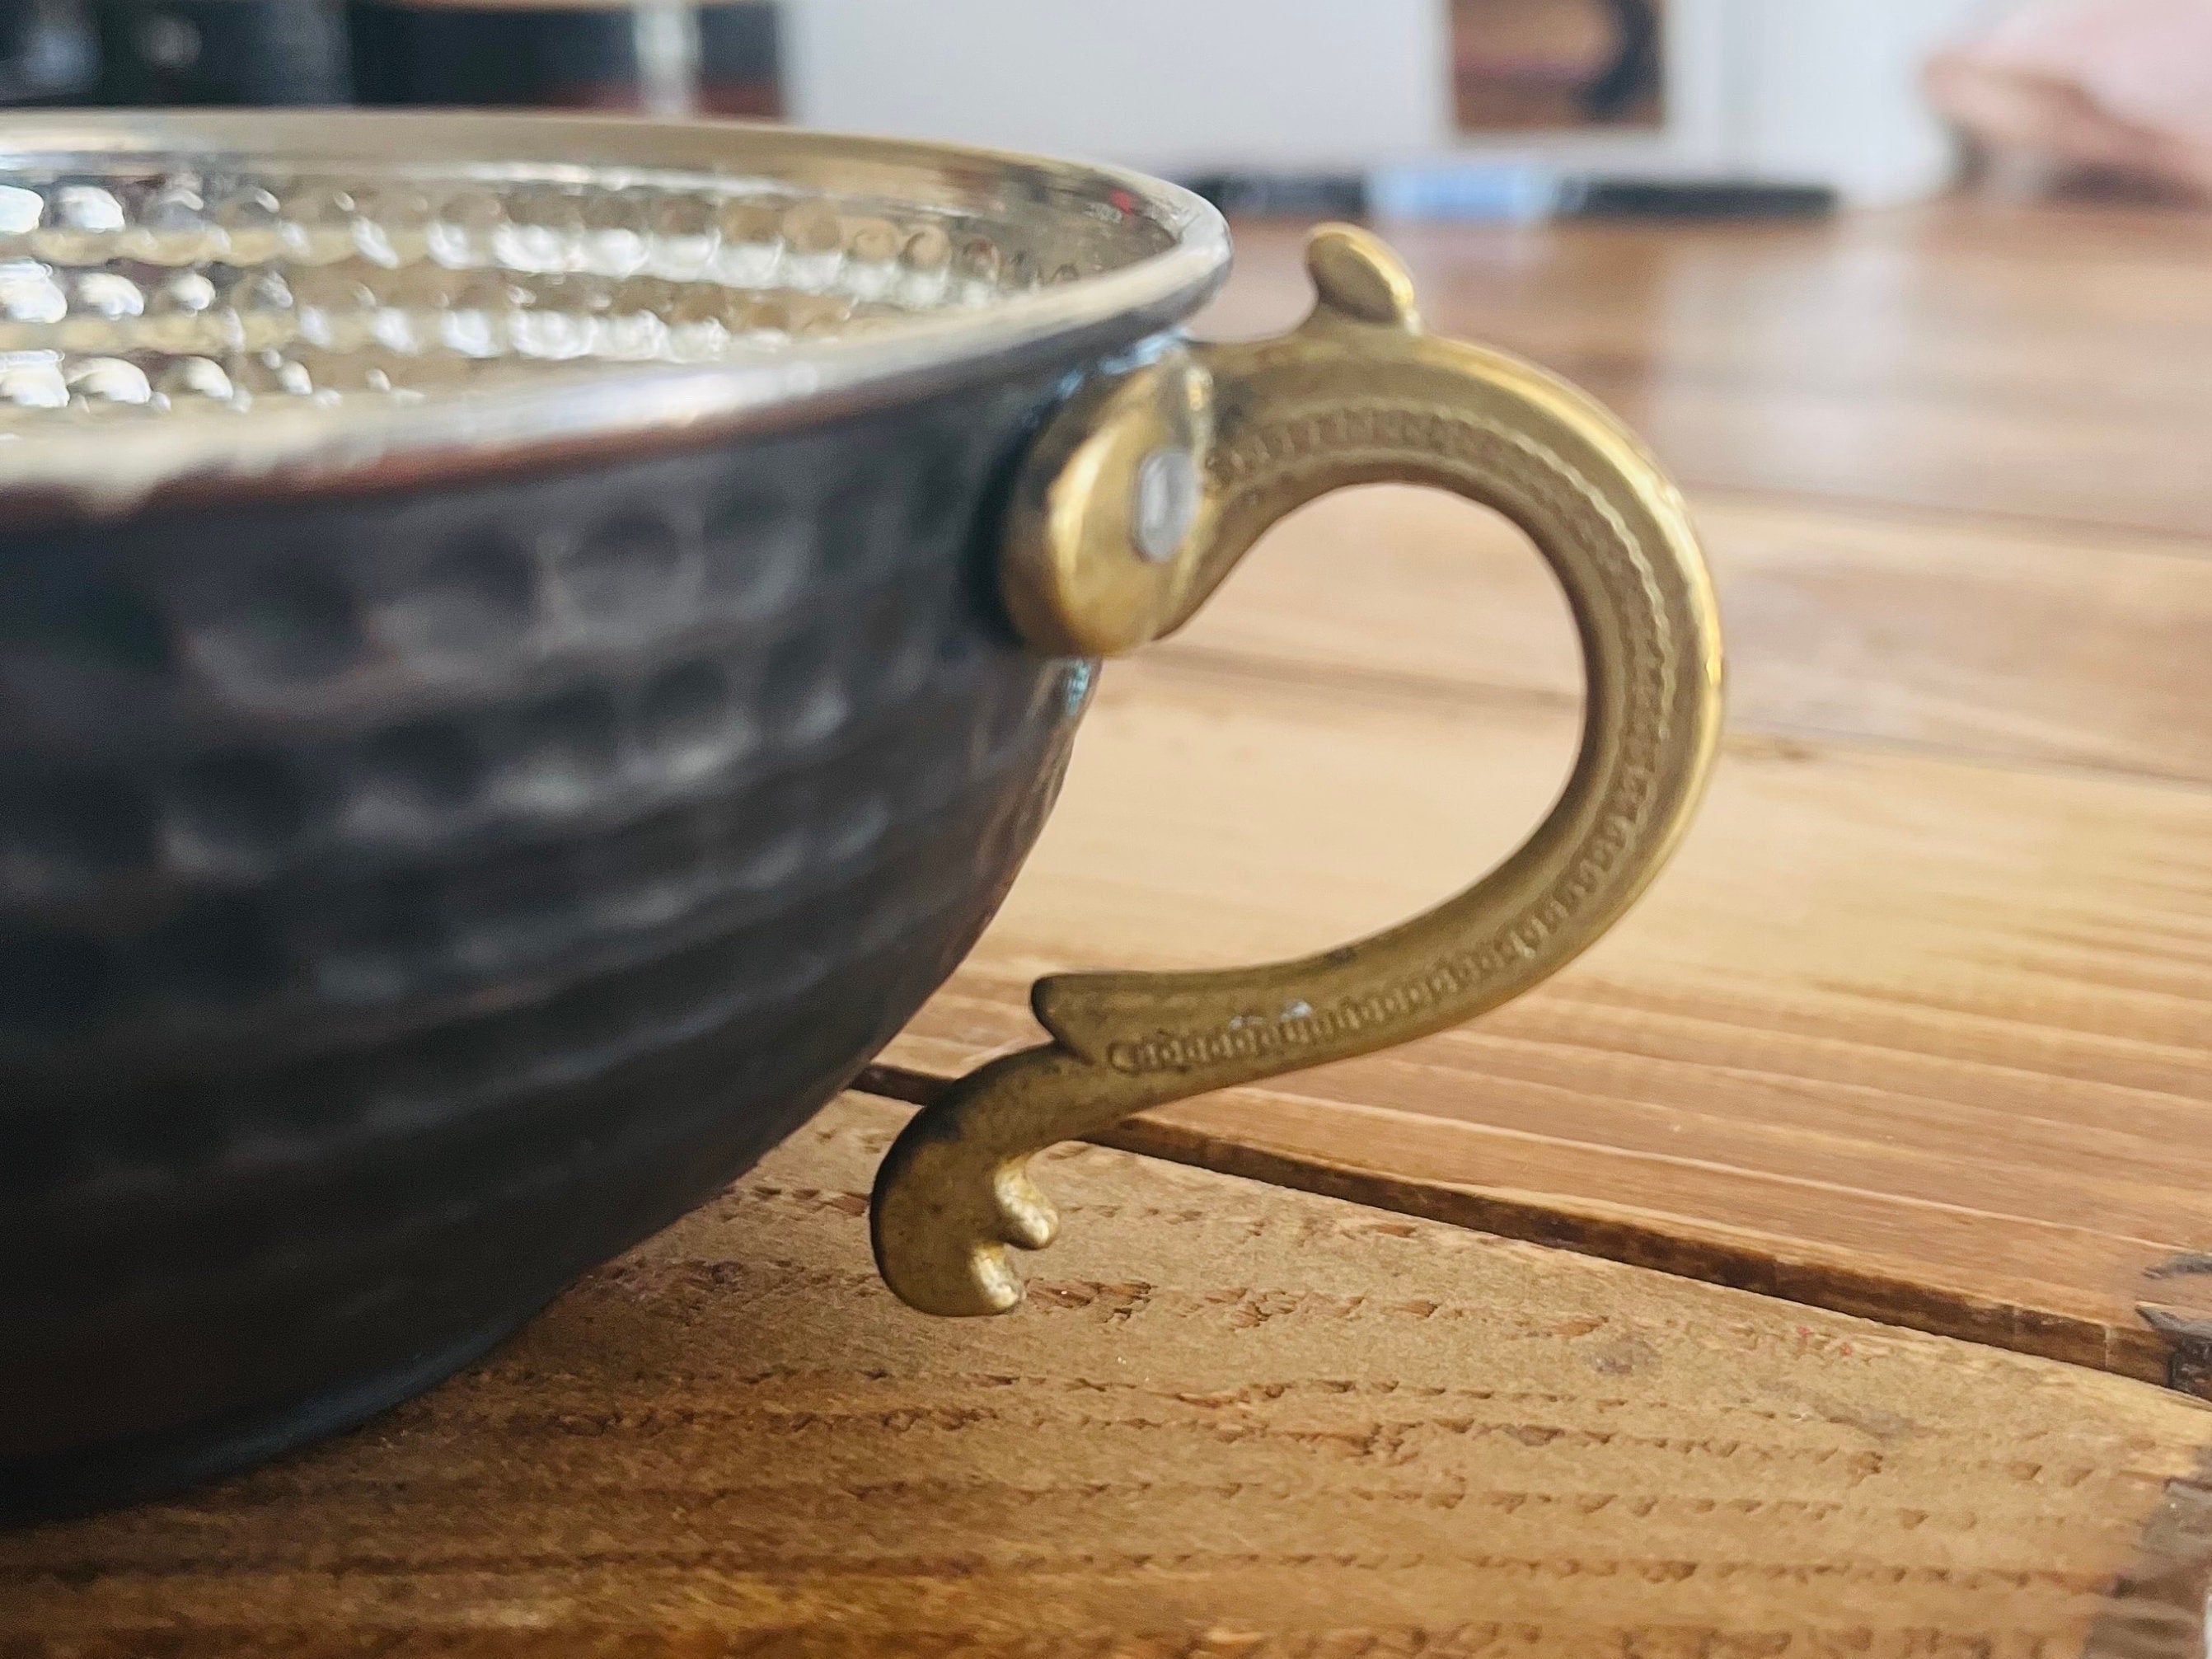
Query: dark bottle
x=670, y=57
x=221, y=52
x=48, y=53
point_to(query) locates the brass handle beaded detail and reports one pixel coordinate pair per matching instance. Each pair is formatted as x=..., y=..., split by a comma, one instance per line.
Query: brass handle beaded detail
x=1133, y=504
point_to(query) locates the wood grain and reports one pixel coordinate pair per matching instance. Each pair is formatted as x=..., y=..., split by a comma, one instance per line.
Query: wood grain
x=1232, y=1421
x=2043, y=363
x=1923, y=1038
x=2005, y=639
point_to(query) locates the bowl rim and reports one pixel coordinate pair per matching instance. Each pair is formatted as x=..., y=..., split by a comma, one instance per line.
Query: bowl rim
x=607, y=409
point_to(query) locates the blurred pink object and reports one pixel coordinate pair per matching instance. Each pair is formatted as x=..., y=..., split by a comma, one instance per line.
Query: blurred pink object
x=2109, y=88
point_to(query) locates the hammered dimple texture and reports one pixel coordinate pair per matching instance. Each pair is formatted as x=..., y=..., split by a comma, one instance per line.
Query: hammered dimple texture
x=407, y=901
x=132, y=287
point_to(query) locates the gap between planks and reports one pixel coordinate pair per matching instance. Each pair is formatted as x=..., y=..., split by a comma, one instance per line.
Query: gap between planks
x=2173, y=1354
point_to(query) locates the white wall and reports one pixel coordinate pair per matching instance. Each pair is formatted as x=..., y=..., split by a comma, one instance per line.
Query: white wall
x=1831, y=89
x=1162, y=84
x=1823, y=90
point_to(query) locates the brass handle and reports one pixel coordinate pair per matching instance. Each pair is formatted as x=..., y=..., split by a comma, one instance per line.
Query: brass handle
x=1136, y=502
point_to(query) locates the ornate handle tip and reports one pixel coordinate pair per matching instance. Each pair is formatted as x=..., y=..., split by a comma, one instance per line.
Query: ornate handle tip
x=1355, y=275
x=949, y=1203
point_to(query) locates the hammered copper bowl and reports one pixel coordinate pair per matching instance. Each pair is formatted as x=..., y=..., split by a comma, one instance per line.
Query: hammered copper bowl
x=530, y=646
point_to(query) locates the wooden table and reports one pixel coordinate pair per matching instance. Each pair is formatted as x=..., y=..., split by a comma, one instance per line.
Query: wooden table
x=1919, y=1026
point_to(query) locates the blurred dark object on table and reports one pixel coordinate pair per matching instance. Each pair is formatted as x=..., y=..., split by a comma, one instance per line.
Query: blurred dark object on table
x=1284, y=194
x=2110, y=96
x=668, y=56
x=1475, y=192
x=1695, y=199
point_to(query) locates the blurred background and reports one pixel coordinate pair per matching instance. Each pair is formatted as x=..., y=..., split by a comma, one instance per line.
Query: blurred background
x=1415, y=108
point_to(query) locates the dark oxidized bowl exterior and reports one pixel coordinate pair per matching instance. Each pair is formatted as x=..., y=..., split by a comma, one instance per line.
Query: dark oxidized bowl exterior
x=409, y=901
x=509, y=696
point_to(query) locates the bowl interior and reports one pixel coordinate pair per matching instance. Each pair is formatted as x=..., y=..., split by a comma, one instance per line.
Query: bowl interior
x=171, y=284
x=171, y=269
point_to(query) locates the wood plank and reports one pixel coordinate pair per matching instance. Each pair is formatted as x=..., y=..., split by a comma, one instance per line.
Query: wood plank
x=2019, y=361
x=1918, y=1037
x=1999, y=638
x=1232, y=1421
